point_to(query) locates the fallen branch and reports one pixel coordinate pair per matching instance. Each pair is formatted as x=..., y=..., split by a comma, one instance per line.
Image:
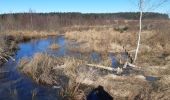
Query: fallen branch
x=103, y=67
x=118, y=70
x=3, y=58
x=134, y=66
x=130, y=65
x=9, y=56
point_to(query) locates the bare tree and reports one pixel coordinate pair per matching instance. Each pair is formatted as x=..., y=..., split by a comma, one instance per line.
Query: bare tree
x=140, y=27
x=151, y=5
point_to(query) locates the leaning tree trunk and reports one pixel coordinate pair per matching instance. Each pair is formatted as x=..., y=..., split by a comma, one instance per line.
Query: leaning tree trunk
x=140, y=28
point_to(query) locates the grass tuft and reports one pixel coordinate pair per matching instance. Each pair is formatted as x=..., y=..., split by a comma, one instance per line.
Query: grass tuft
x=54, y=46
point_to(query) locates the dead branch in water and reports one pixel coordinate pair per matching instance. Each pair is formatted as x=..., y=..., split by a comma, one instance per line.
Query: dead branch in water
x=118, y=70
x=130, y=65
x=4, y=56
x=102, y=67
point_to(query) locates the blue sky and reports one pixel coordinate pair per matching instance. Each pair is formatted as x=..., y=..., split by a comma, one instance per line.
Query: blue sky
x=84, y=6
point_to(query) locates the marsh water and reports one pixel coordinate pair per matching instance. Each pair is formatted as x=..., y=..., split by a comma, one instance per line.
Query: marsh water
x=14, y=85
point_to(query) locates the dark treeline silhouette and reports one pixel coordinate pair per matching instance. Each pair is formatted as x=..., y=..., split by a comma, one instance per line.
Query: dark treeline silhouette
x=54, y=21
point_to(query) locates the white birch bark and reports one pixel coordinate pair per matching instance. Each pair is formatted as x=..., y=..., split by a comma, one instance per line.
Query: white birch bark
x=140, y=28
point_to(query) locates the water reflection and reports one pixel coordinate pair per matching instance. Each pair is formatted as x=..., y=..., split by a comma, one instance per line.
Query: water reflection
x=15, y=85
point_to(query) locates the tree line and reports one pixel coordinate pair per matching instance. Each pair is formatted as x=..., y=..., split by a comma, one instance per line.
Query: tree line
x=54, y=21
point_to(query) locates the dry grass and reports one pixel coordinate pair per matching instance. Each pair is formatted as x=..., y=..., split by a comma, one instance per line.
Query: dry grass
x=24, y=35
x=72, y=92
x=10, y=39
x=161, y=88
x=7, y=48
x=54, y=46
x=154, y=55
x=39, y=68
x=118, y=86
x=128, y=87
x=155, y=39
x=2, y=48
x=99, y=40
x=42, y=67
x=46, y=69
x=49, y=70
x=106, y=39
x=154, y=50
x=158, y=41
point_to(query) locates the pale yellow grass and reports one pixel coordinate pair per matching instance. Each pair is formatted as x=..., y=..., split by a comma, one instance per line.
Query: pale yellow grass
x=44, y=68
x=50, y=70
x=104, y=39
x=39, y=68
x=95, y=40
x=32, y=34
x=54, y=46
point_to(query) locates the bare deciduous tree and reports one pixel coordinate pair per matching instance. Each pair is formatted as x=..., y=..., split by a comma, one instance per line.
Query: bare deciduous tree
x=140, y=27
x=151, y=5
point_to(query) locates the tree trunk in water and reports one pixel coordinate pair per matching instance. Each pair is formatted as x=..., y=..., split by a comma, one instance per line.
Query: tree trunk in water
x=140, y=29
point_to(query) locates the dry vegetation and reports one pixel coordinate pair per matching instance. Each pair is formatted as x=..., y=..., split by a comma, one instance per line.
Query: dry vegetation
x=101, y=40
x=49, y=70
x=40, y=68
x=154, y=55
x=7, y=48
x=10, y=39
x=27, y=35
x=71, y=74
x=154, y=45
x=127, y=87
x=54, y=46
x=154, y=58
x=106, y=39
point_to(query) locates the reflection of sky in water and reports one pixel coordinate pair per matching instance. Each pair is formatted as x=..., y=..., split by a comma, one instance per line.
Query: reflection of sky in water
x=114, y=61
x=30, y=48
x=22, y=85
x=95, y=56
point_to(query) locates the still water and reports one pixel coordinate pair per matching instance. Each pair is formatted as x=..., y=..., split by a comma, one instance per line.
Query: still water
x=16, y=86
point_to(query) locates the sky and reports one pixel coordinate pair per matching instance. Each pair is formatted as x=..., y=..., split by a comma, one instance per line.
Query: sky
x=83, y=6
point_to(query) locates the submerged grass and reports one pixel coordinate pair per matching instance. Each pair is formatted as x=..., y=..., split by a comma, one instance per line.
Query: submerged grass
x=54, y=46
